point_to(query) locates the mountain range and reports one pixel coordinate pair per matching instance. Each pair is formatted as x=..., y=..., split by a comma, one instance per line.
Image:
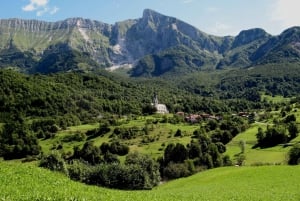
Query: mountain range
x=152, y=45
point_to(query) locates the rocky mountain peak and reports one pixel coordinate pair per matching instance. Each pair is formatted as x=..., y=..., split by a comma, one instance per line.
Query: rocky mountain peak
x=154, y=19
x=151, y=15
x=84, y=23
x=292, y=34
x=248, y=36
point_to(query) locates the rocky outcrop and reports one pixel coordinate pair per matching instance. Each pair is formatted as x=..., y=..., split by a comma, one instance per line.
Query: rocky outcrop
x=282, y=48
x=248, y=36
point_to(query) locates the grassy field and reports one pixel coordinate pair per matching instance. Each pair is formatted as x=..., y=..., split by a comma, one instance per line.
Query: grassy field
x=274, y=183
x=275, y=99
x=273, y=155
x=161, y=134
x=27, y=182
x=48, y=144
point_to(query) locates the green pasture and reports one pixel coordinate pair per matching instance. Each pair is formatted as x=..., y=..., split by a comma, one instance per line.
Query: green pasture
x=48, y=144
x=160, y=135
x=275, y=183
x=274, y=99
x=273, y=155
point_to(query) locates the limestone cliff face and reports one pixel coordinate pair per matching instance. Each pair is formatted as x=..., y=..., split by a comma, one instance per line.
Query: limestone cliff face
x=155, y=32
x=167, y=42
x=36, y=36
x=282, y=48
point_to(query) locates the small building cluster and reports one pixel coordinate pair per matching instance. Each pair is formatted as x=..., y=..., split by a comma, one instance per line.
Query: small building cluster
x=196, y=118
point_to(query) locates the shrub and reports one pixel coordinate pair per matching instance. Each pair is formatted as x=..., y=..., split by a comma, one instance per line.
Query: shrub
x=227, y=161
x=54, y=162
x=240, y=159
x=293, y=130
x=177, y=170
x=77, y=137
x=17, y=141
x=135, y=174
x=45, y=125
x=175, y=153
x=127, y=133
x=110, y=158
x=148, y=165
x=290, y=118
x=104, y=147
x=294, y=155
x=221, y=147
x=88, y=153
x=272, y=136
x=78, y=170
x=118, y=148
x=178, y=133
x=211, y=125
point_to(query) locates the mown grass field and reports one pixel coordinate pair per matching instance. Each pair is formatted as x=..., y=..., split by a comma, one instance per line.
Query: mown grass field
x=274, y=183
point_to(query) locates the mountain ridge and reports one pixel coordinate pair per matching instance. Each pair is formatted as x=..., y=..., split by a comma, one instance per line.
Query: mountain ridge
x=129, y=42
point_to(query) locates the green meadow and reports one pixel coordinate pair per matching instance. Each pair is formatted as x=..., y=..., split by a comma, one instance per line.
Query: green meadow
x=160, y=135
x=28, y=182
x=275, y=99
x=255, y=156
x=163, y=133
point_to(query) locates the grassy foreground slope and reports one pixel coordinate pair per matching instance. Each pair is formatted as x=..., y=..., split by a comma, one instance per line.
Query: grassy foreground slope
x=27, y=182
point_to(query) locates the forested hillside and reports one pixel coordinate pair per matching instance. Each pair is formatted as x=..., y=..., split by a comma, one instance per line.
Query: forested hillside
x=89, y=95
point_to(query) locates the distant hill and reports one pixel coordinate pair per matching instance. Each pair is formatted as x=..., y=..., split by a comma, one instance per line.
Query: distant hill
x=153, y=45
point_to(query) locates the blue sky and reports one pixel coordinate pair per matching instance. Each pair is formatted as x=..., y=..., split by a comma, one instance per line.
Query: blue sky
x=217, y=17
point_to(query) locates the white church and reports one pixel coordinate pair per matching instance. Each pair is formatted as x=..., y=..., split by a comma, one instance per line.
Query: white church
x=160, y=108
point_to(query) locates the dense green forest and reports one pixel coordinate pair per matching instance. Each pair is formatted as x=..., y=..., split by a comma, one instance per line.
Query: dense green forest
x=87, y=96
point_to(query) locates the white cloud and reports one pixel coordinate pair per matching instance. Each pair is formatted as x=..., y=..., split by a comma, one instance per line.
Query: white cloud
x=286, y=12
x=41, y=7
x=35, y=5
x=54, y=10
x=29, y=7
